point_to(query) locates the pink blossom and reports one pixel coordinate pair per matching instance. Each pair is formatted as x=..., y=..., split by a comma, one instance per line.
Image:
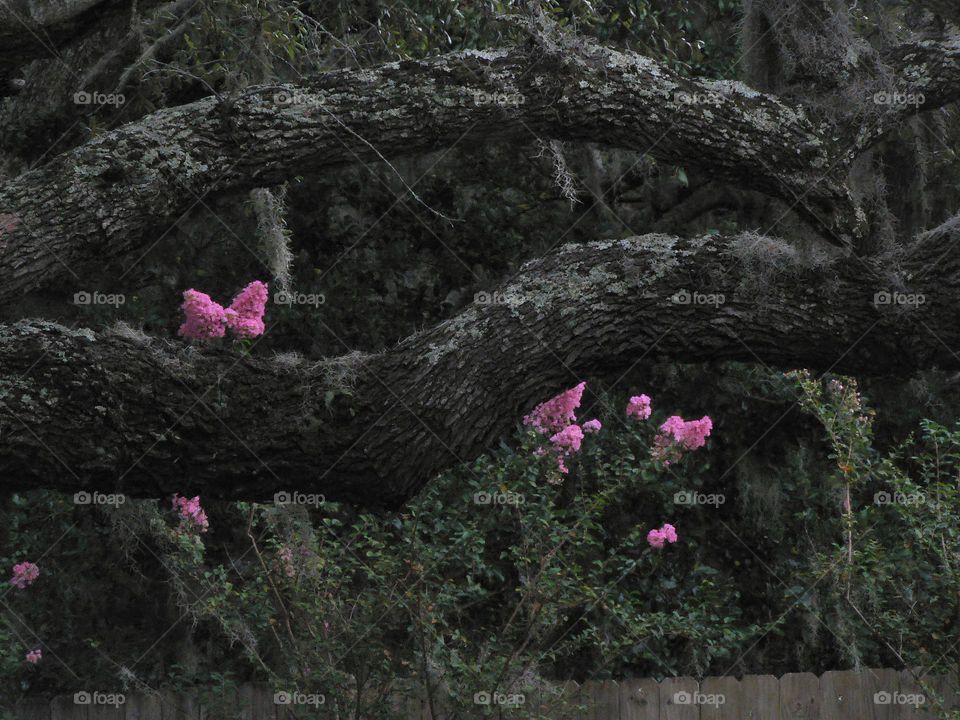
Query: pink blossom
x=677, y=433
x=204, y=317
x=208, y=319
x=554, y=415
x=639, y=407
x=565, y=443
x=592, y=426
x=657, y=537
x=245, y=314
x=34, y=656
x=24, y=574
x=190, y=511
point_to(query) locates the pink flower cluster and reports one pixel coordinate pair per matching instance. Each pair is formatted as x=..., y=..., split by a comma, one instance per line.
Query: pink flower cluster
x=658, y=536
x=677, y=435
x=34, y=656
x=24, y=574
x=191, y=512
x=639, y=407
x=208, y=319
x=557, y=417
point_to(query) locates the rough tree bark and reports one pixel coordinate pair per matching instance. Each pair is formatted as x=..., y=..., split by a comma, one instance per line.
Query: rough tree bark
x=373, y=429
x=104, y=198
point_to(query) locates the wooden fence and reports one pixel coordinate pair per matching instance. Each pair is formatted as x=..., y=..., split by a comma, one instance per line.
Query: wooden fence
x=867, y=695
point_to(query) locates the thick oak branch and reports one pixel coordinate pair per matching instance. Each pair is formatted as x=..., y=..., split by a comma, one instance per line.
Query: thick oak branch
x=117, y=412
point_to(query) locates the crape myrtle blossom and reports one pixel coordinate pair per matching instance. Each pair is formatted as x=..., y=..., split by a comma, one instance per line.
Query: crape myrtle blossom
x=24, y=574
x=677, y=435
x=205, y=318
x=665, y=534
x=190, y=512
x=639, y=407
x=557, y=418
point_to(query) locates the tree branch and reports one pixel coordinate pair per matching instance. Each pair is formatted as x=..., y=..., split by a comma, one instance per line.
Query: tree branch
x=107, y=197
x=373, y=429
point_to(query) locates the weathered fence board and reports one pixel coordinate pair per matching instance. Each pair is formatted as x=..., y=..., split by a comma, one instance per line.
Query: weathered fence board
x=837, y=695
x=760, y=697
x=799, y=697
x=639, y=699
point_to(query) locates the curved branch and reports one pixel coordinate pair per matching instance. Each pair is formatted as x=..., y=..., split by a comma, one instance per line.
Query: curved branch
x=373, y=429
x=106, y=197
